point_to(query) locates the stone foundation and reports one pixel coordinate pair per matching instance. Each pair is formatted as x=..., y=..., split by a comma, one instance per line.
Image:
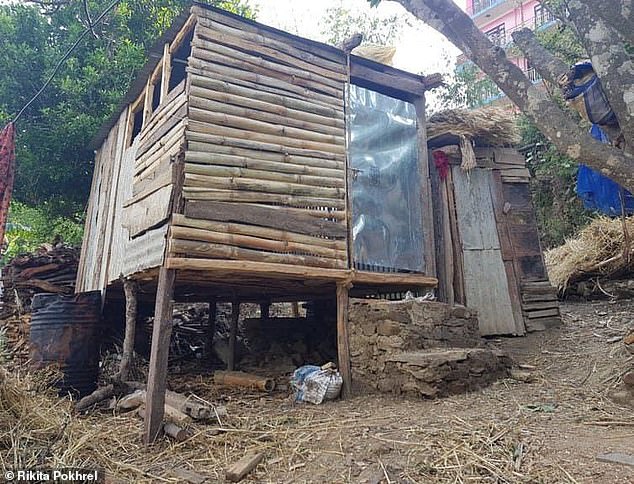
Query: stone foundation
x=420, y=348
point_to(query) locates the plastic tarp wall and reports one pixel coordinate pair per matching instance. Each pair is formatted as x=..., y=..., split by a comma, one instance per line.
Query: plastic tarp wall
x=385, y=184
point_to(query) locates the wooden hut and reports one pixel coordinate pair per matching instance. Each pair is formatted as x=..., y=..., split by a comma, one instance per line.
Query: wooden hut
x=248, y=164
x=229, y=170
x=489, y=256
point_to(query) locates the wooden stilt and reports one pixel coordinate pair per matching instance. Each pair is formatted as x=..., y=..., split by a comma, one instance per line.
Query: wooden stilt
x=211, y=327
x=343, y=345
x=265, y=310
x=233, y=334
x=295, y=309
x=130, y=289
x=161, y=334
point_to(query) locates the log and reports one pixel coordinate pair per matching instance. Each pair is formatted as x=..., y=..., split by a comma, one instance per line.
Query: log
x=237, y=471
x=95, y=397
x=343, y=342
x=189, y=405
x=132, y=401
x=246, y=241
x=176, y=415
x=226, y=171
x=179, y=434
x=262, y=232
x=130, y=289
x=243, y=380
x=233, y=334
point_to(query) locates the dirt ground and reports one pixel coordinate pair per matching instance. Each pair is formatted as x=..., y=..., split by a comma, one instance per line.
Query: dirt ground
x=549, y=429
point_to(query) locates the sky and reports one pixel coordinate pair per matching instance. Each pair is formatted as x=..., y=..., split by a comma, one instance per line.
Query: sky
x=420, y=48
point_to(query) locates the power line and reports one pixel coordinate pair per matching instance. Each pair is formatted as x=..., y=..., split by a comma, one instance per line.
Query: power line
x=66, y=56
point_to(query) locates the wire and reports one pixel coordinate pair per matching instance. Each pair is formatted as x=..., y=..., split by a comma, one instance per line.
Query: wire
x=66, y=56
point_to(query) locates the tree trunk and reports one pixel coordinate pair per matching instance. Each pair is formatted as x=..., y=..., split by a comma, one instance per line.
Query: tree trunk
x=446, y=17
x=610, y=60
x=130, y=290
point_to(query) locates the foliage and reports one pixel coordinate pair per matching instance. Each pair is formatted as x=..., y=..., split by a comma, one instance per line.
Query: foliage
x=54, y=166
x=340, y=23
x=28, y=228
x=469, y=88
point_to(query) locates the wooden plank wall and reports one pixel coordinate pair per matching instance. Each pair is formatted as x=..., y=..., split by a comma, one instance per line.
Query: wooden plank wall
x=264, y=173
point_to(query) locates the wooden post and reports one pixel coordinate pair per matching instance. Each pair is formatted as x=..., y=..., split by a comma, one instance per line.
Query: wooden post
x=343, y=344
x=161, y=334
x=130, y=289
x=211, y=328
x=166, y=71
x=295, y=306
x=233, y=334
x=265, y=310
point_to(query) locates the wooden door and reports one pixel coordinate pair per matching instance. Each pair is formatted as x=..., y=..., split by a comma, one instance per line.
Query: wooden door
x=485, y=277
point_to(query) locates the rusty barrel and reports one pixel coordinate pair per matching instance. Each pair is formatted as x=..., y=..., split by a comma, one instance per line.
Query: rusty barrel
x=65, y=331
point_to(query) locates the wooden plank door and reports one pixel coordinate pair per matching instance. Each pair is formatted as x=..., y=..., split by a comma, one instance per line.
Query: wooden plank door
x=486, y=282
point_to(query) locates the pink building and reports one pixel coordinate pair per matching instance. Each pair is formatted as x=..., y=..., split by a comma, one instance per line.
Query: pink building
x=498, y=19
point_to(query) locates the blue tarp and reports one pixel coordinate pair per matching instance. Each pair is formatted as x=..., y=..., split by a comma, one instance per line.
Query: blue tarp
x=598, y=192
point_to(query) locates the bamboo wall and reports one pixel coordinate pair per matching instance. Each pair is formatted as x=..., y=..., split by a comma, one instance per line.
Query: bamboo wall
x=264, y=173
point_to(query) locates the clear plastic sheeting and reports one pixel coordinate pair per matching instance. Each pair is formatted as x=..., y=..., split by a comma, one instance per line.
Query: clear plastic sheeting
x=385, y=183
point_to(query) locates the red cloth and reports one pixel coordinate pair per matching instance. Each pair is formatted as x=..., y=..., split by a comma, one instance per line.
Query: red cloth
x=7, y=173
x=441, y=160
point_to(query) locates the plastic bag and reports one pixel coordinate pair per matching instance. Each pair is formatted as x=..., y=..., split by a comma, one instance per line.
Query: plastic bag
x=315, y=384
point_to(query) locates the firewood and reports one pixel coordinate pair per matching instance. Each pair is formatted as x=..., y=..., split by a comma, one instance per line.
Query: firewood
x=245, y=380
x=237, y=471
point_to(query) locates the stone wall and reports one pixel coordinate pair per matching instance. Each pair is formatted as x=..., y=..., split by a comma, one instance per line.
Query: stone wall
x=421, y=348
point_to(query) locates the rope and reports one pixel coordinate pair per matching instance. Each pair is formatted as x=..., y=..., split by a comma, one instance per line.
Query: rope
x=66, y=56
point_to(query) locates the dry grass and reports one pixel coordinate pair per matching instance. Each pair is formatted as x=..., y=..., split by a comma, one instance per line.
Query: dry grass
x=596, y=251
x=492, y=125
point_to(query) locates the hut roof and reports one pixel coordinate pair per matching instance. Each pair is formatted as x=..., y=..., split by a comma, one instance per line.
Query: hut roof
x=490, y=125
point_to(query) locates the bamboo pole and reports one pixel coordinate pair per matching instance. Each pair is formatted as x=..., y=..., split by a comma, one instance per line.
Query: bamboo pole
x=192, y=248
x=261, y=83
x=252, y=242
x=223, y=103
x=205, y=133
x=203, y=146
x=179, y=220
x=272, y=43
x=211, y=158
x=242, y=196
x=256, y=126
x=241, y=59
x=204, y=124
x=325, y=114
x=241, y=41
x=239, y=172
x=251, y=184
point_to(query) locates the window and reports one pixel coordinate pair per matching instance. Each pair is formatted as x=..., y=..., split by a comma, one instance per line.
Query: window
x=542, y=16
x=480, y=5
x=497, y=35
x=179, y=61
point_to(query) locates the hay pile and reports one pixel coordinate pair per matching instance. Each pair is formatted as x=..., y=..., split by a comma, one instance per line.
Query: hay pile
x=597, y=251
x=489, y=125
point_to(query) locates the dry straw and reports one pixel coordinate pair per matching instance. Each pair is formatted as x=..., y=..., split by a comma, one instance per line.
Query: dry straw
x=489, y=125
x=597, y=251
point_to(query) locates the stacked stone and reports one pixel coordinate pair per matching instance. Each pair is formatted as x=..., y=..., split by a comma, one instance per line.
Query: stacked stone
x=421, y=348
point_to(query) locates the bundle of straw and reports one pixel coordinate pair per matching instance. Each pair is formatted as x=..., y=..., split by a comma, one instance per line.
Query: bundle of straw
x=493, y=125
x=598, y=250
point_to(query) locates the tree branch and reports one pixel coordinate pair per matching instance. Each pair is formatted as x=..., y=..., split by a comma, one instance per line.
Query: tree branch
x=610, y=60
x=550, y=67
x=618, y=14
x=446, y=17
